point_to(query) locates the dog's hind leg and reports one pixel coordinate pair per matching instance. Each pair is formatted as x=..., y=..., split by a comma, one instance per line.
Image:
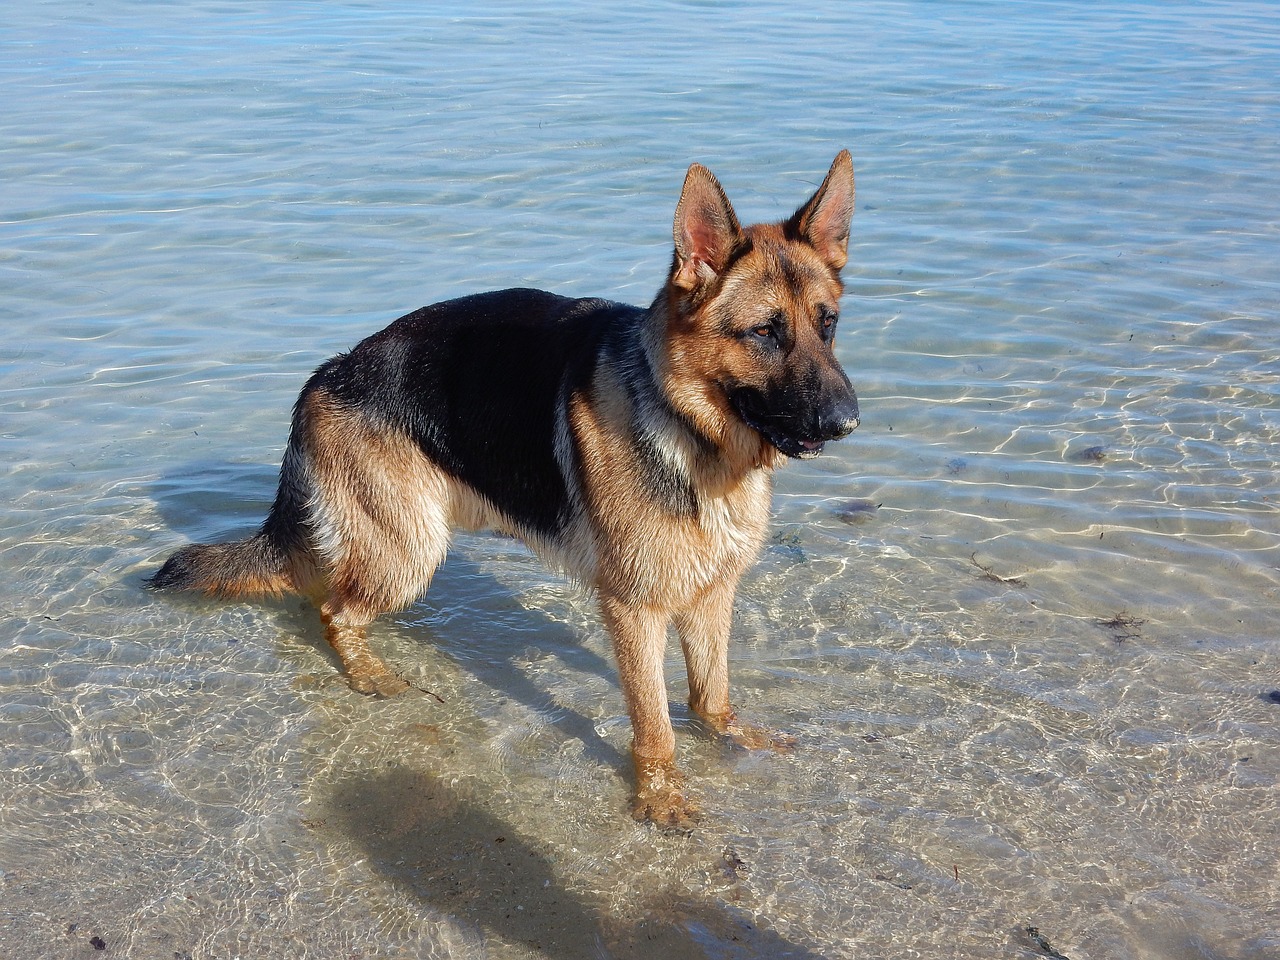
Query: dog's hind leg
x=383, y=567
x=384, y=564
x=379, y=520
x=366, y=671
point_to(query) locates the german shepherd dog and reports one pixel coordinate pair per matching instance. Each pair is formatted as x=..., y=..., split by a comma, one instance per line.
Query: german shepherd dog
x=631, y=448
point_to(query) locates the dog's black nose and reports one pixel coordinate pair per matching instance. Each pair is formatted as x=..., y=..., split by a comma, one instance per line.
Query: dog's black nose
x=841, y=418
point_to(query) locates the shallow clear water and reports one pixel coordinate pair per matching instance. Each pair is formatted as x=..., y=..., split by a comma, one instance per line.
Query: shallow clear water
x=1023, y=621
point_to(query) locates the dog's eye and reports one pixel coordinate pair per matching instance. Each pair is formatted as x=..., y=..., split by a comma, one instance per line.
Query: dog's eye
x=769, y=332
x=827, y=322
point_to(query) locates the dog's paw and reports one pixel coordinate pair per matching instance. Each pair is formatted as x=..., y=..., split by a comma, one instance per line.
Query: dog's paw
x=749, y=736
x=670, y=811
x=660, y=798
x=378, y=683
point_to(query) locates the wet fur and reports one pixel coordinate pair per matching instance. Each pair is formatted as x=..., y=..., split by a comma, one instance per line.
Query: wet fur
x=631, y=448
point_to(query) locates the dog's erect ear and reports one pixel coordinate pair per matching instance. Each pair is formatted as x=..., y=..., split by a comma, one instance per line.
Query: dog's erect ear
x=706, y=230
x=823, y=222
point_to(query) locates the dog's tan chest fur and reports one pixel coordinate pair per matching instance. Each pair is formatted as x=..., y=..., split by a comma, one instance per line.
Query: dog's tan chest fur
x=644, y=552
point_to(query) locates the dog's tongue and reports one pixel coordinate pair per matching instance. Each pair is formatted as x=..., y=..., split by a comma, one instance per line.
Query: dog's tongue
x=811, y=444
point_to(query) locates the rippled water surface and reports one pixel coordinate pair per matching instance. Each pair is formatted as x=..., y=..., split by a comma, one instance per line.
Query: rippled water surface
x=1023, y=622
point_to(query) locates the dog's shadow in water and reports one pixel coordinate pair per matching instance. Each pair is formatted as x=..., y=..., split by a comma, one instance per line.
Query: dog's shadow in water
x=206, y=502
x=426, y=837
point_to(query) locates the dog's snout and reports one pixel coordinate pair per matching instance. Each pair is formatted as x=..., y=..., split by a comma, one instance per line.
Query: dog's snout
x=841, y=418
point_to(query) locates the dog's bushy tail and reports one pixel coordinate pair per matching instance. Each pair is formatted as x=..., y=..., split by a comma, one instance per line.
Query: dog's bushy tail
x=252, y=567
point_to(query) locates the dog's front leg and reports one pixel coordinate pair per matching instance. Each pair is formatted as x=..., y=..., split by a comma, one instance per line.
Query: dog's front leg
x=639, y=644
x=704, y=636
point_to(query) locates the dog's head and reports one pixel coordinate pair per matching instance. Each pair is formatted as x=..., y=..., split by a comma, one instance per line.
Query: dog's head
x=751, y=319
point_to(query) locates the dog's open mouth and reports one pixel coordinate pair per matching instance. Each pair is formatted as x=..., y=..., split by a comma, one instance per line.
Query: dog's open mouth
x=796, y=447
x=800, y=448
